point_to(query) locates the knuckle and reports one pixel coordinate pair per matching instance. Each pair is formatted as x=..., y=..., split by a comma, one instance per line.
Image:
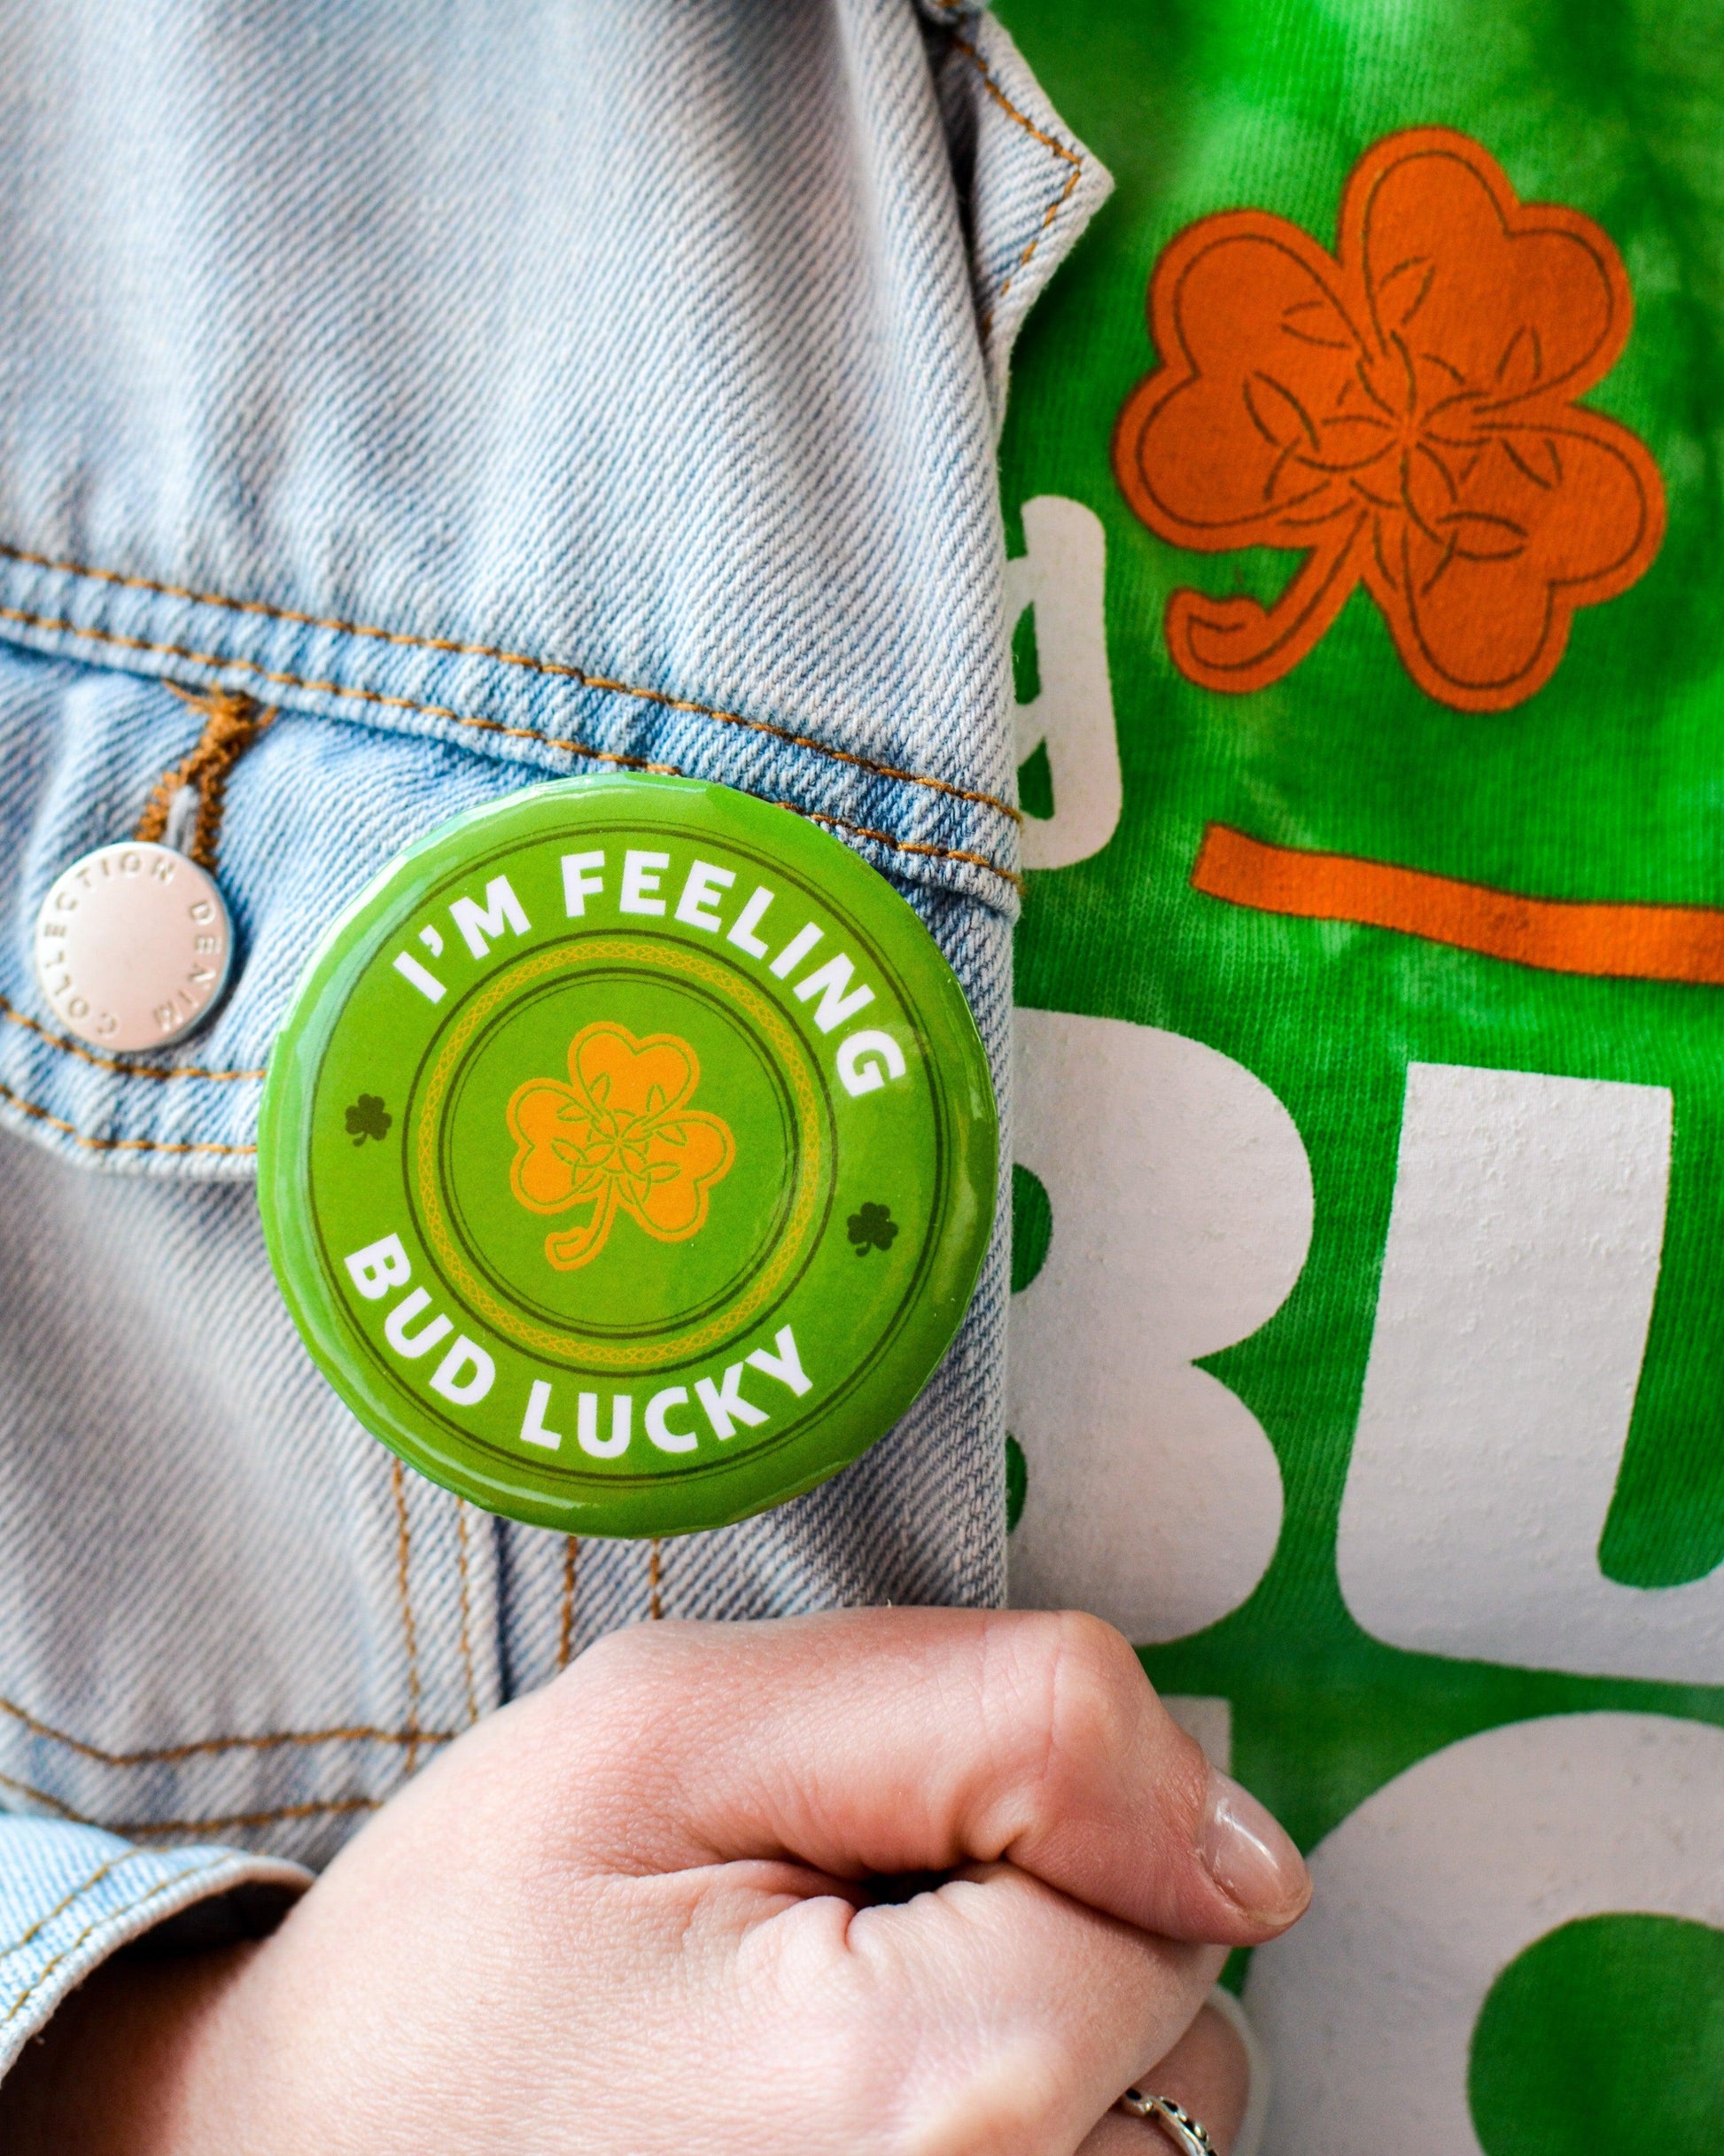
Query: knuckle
x=636, y=1656
x=1060, y=1695
x=1079, y=1720
x=613, y=1687
x=998, y=2098
x=1094, y=1684
x=616, y=1656
x=1007, y=2103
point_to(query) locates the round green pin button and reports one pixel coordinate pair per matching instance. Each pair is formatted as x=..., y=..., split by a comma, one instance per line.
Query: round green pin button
x=628, y=1155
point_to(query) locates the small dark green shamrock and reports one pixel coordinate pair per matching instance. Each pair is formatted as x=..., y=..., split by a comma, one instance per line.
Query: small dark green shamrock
x=873, y=1228
x=368, y=1117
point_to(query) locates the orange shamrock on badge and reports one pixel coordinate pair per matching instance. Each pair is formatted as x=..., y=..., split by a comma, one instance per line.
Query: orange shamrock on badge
x=1402, y=412
x=619, y=1137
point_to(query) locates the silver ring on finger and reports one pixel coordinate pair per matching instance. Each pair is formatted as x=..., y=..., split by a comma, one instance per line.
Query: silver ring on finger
x=1173, y=2118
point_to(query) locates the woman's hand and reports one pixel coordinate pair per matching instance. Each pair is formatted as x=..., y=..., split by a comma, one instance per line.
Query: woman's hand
x=1207, y=2072
x=642, y=1911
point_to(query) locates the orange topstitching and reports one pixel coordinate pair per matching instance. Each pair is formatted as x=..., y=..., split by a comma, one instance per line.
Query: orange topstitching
x=1060, y=150
x=13, y=1015
x=312, y=1809
x=521, y=733
x=224, y=1822
x=565, y=1638
x=102, y=1872
x=232, y=723
x=110, y=1915
x=10, y=1013
x=403, y=1552
x=455, y=647
x=466, y=1620
x=65, y=1903
x=180, y=1145
x=114, y=1145
x=165, y=1754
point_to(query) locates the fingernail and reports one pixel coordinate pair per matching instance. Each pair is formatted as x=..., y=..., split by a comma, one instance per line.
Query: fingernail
x=1250, y=1854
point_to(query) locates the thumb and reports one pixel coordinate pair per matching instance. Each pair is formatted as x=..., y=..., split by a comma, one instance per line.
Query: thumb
x=891, y=1741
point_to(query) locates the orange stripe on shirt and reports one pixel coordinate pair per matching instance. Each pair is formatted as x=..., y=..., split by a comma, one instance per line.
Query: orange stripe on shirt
x=1626, y=942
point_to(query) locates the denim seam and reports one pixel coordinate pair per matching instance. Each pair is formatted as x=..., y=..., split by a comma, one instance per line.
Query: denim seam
x=111, y=1916
x=466, y=1613
x=453, y=647
x=1062, y=151
x=901, y=845
x=313, y=1807
x=115, y=1145
x=41, y=1796
x=410, y=1630
x=10, y=1013
x=276, y=1816
x=565, y=1638
x=521, y=733
x=167, y=1754
x=70, y=1900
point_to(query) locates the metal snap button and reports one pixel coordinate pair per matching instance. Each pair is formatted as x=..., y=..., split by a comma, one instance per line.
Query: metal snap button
x=133, y=946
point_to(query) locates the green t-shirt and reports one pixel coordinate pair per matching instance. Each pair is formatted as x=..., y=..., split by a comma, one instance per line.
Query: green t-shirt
x=1368, y=1356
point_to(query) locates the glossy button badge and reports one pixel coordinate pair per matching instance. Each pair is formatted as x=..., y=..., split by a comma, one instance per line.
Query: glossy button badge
x=628, y=1156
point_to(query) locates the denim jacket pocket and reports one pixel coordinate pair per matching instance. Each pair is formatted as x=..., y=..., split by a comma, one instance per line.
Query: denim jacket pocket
x=690, y=468
x=308, y=814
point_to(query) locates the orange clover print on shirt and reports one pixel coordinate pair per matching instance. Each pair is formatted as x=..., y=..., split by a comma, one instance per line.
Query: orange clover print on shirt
x=619, y=1137
x=1403, y=413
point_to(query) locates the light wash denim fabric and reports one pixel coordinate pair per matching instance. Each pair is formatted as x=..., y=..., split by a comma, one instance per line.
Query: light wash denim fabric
x=495, y=393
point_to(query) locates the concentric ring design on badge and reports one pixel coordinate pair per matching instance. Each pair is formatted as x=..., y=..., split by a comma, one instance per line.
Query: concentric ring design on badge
x=588, y=1346
x=628, y=1156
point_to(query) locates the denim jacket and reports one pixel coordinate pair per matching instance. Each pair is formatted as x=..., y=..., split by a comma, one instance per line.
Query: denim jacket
x=491, y=395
